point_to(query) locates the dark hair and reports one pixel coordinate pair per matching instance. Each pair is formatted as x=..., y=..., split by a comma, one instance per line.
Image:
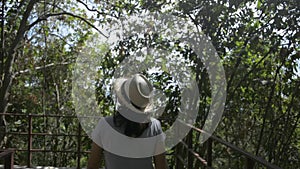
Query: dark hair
x=132, y=129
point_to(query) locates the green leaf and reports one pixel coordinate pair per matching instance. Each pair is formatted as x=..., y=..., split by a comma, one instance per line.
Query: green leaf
x=258, y=5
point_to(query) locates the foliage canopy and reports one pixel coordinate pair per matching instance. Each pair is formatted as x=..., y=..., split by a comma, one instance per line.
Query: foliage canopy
x=257, y=41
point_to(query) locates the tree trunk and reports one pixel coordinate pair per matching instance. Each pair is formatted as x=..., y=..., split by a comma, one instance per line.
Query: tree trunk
x=7, y=65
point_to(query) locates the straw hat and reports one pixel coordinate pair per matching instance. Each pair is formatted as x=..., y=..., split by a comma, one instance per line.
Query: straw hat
x=134, y=97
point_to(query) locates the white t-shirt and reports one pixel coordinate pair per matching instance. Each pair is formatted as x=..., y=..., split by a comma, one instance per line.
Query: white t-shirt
x=123, y=152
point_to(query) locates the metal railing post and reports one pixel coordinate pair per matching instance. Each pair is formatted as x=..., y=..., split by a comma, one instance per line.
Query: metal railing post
x=79, y=146
x=178, y=157
x=29, y=148
x=249, y=163
x=8, y=156
x=209, y=152
x=190, y=147
x=9, y=162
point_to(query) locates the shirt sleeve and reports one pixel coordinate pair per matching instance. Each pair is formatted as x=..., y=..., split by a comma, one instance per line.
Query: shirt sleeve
x=97, y=133
x=160, y=142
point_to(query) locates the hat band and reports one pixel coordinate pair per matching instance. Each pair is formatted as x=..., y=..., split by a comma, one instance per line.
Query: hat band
x=138, y=107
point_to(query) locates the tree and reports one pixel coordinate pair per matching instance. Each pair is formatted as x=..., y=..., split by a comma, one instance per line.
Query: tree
x=23, y=23
x=258, y=43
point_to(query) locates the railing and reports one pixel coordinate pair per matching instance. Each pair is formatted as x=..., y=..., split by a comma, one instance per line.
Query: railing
x=188, y=162
x=182, y=160
x=8, y=157
x=30, y=135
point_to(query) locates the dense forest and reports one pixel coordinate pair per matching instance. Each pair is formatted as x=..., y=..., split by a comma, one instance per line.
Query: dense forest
x=257, y=43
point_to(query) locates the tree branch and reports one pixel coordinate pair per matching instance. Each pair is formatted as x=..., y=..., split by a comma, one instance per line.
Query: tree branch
x=41, y=67
x=2, y=42
x=45, y=17
x=89, y=9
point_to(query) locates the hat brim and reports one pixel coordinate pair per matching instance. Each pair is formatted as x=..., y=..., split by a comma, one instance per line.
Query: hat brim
x=126, y=108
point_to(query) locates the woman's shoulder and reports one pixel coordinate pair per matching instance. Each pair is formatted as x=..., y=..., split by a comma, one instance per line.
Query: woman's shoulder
x=108, y=119
x=103, y=121
x=155, y=126
x=155, y=122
